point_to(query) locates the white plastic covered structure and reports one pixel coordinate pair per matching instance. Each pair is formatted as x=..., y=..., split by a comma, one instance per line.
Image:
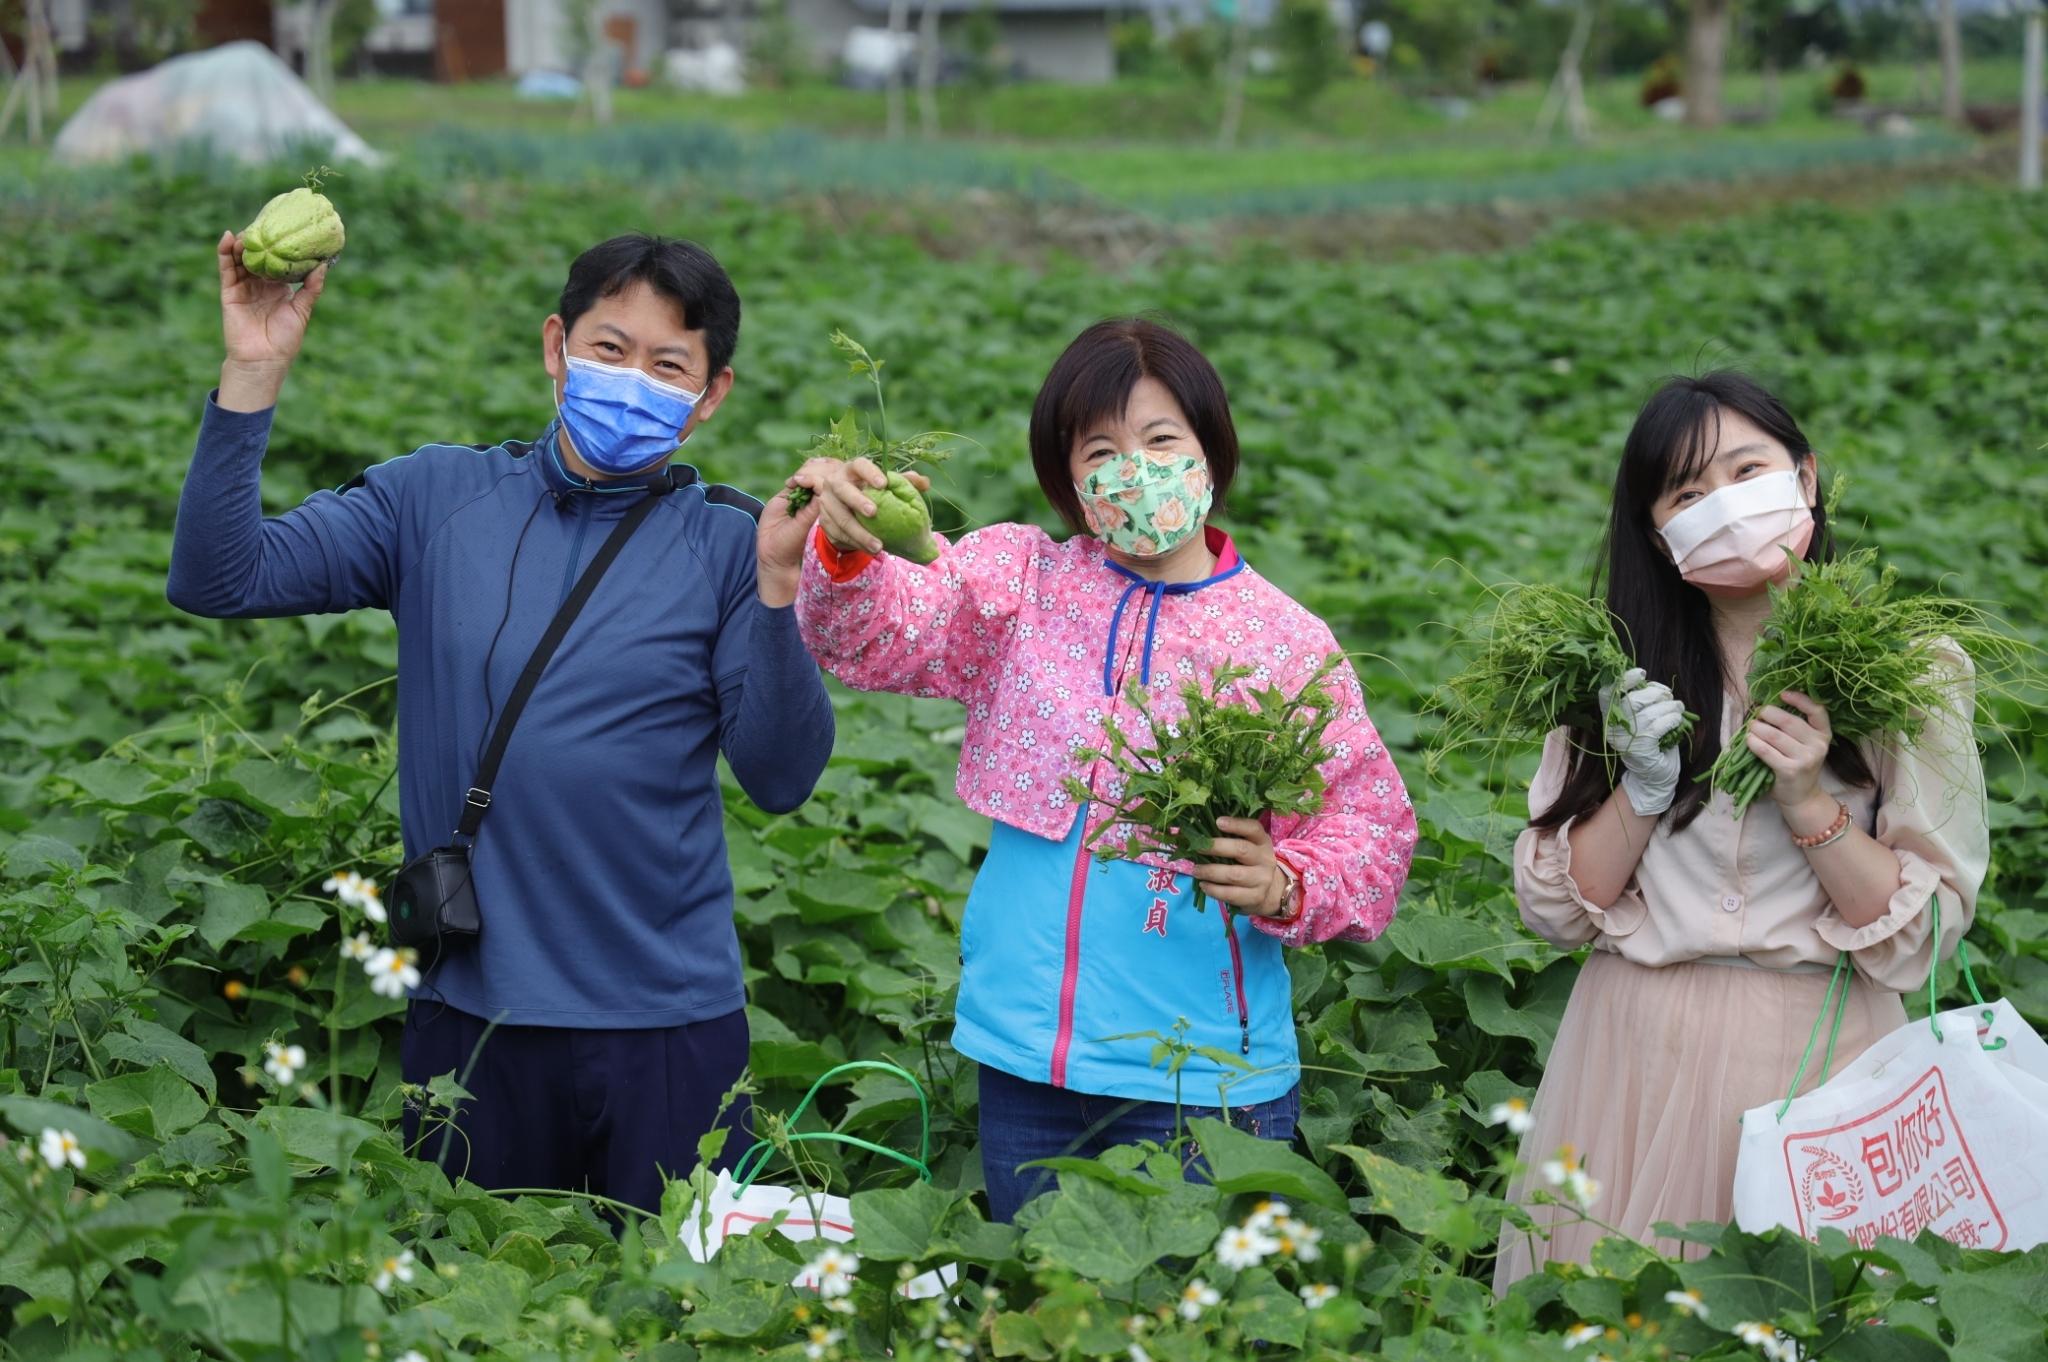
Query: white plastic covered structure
x=240, y=99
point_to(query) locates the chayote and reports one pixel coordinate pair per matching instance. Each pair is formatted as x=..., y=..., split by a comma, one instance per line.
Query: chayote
x=902, y=521
x=294, y=235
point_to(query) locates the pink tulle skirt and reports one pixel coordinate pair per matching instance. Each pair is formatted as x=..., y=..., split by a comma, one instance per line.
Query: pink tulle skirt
x=1647, y=1082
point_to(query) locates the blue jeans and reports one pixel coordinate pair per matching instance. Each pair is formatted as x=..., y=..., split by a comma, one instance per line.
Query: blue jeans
x=1022, y=1121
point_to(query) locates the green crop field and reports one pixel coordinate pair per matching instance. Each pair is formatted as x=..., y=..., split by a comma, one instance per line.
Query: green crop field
x=174, y=792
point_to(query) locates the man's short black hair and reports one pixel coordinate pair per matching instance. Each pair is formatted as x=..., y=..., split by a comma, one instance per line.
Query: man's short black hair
x=681, y=271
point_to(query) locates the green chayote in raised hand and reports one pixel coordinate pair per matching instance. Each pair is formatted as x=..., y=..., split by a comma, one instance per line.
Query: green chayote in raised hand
x=902, y=521
x=295, y=234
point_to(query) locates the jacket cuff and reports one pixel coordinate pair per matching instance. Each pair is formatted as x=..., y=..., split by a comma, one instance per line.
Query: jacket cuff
x=1919, y=880
x=218, y=425
x=839, y=566
x=1549, y=871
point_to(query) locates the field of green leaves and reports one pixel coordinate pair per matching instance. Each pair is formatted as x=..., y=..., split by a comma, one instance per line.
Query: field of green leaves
x=175, y=793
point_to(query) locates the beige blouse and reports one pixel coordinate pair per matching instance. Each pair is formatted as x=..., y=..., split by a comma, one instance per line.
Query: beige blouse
x=1739, y=890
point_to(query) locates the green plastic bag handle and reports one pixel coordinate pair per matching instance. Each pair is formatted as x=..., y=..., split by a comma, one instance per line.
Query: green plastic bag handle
x=1829, y=999
x=1969, y=977
x=752, y=1162
x=1839, y=1003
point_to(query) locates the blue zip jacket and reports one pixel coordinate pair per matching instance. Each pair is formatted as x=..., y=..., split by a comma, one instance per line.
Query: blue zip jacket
x=1117, y=947
x=601, y=868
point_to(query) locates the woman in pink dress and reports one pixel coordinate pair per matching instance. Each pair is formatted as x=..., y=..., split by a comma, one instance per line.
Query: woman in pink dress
x=1713, y=935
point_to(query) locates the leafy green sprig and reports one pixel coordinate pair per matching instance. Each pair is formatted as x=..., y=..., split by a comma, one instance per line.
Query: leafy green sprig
x=1236, y=751
x=1882, y=663
x=1538, y=661
x=849, y=438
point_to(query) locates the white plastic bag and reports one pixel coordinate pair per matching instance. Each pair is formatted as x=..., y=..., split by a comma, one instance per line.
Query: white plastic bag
x=739, y=1205
x=732, y=1209
x=1941, y=1125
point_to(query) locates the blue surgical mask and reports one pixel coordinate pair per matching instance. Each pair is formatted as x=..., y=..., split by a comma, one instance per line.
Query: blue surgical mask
x=619, y=419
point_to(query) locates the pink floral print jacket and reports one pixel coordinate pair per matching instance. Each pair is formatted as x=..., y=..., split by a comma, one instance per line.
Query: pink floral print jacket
x=1037, y=638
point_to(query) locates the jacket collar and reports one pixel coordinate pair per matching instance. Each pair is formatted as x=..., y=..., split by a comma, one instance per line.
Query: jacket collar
x=555, y=471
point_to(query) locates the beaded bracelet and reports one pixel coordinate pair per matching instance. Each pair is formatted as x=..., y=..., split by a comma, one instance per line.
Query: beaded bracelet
x=1834, y=830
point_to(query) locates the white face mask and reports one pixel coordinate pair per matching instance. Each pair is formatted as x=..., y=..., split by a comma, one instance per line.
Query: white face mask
x=1735, y=540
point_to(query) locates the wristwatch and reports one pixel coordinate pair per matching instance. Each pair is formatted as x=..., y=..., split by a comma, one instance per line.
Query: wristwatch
x=1290, y=902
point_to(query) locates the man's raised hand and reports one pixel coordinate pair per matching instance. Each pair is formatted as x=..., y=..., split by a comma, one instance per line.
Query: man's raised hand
x=263, y=323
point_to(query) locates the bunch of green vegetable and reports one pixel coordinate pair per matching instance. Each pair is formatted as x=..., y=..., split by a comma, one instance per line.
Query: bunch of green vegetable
x=1538, y=661
x=902, y=519
x=1223, y=758
x=1879, y=661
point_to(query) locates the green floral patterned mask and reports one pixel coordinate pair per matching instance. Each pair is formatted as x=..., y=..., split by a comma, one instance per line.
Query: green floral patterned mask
x=1147, y=502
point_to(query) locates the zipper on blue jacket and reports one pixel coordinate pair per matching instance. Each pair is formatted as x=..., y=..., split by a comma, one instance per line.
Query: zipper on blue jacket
x=575, y=552
x=1112, y=674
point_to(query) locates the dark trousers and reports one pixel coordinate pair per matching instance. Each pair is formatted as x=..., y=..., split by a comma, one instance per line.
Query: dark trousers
x=608, y=1112
x=1022, y=1121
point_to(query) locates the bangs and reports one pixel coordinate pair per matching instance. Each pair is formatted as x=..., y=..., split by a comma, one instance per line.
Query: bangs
x=1679, y=428
x=1693, y=445
x=1099, y=393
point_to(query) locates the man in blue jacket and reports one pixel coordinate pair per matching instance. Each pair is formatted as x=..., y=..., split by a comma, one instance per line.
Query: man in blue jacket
x=608, y=959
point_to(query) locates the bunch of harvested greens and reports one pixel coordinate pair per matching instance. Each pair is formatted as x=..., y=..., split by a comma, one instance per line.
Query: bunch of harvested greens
x=1222, y=758
x=1876, y=659
x=1539, y=661
x=902, y=520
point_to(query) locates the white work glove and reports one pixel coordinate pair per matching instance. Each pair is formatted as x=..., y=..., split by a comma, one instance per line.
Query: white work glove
x=1639, y=715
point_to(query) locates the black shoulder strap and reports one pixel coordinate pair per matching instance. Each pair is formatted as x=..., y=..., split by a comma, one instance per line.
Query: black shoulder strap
x=479, y=797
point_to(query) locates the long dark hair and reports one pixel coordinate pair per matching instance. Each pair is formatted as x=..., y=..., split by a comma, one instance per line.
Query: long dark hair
x=1664, y=622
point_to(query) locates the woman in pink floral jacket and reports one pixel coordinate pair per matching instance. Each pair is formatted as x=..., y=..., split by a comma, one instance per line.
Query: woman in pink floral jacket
x=1132, y=440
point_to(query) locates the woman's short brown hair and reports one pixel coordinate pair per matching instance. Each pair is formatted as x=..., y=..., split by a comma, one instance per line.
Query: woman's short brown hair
x=1093, y=379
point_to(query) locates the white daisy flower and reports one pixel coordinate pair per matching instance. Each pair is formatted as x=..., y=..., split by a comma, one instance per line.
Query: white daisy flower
x=393, y=1270
x=1298, y=1239
x=412, y=1355
x=60, y=1147
x=1774, y=1345
x=1318, y=1294
x=357, y=892
x=1687, y=1302
x=1196, y=1297
x=1513, y=1113
x=1582, y=1333
x=284, y=1063
x=1242, y=1246
x=1566, y=1171
x=358, y=947
x=821, y=1338
x=834, y=1269
x=1267, y=1214
x=392, y=972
